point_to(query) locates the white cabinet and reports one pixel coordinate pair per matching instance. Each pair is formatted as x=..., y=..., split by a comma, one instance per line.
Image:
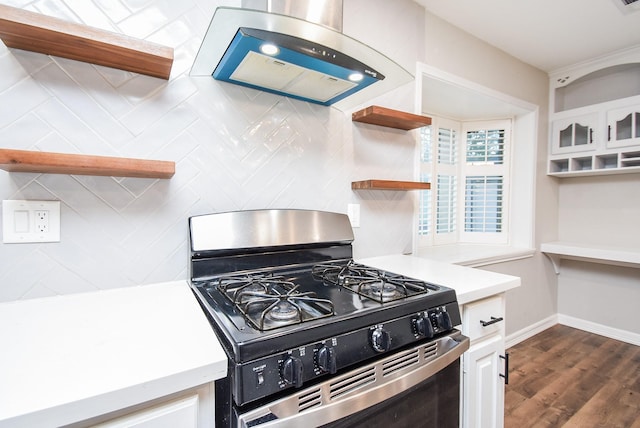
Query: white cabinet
x=485, y=389
x=623, y=127
x=181, y=413
x=484, y=364
x=192, y=408
x=574, y=134
x=595, y=117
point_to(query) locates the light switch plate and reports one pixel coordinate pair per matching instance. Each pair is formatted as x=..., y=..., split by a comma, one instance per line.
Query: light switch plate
x=30, y=221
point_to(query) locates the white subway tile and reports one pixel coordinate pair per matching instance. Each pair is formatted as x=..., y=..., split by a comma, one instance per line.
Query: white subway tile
x=19, y=100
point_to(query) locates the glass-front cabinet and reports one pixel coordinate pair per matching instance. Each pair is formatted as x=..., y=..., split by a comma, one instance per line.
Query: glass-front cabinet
x=623, y=127
x=575, y=134
x=595, y=117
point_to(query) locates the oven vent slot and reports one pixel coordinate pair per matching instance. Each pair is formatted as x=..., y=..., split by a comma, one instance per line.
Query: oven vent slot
x=352, y=383
x=402, y=361
x=431, y=351
x=309, y=400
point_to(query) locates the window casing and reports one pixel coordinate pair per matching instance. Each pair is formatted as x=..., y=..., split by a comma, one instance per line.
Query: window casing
x=468, y=166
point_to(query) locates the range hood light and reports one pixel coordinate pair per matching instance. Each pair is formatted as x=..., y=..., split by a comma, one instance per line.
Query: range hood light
x=269, y=49
x=356, y=77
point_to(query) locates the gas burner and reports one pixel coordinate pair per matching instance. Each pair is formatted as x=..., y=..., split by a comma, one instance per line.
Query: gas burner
x=372, y=283
x=269, y=301
x=381, y=290
x=283, y=311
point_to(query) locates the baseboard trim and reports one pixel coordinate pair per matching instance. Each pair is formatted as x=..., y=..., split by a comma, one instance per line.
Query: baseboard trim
x=602, y=330
x=530, y=331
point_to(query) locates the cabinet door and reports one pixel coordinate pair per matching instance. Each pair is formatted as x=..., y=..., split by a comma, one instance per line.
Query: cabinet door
x=623, y=127
x=575, y=134
x=181, y=413
x=483, y=388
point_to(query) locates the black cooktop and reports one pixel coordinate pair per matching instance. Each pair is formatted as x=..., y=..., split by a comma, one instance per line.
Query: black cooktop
x=335, y=308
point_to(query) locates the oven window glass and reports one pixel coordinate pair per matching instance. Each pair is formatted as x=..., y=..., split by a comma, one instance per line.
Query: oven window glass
x=430, y=404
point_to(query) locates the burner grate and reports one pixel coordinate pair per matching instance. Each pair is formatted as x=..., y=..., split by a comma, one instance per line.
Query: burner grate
x=371, y=283
x=270, y=301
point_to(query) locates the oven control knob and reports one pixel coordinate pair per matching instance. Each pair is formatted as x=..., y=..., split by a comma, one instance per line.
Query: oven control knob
x=292, y=371
x=380, y=340
x=444, y=320
x=424, y=327
x=326, y=359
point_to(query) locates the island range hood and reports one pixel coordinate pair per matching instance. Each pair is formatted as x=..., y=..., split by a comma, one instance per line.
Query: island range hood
x=273, y=45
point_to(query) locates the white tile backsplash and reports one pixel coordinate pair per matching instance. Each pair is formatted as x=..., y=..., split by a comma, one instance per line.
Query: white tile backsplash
x=90, y=14
x=24, y=132
x=19, y=99
x=114, y=9
x=12, y=73
x=58, y=78
x=235, y=148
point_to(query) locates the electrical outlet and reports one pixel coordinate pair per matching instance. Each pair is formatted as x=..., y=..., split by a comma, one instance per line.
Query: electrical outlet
x=42, y=221
x=30, y=221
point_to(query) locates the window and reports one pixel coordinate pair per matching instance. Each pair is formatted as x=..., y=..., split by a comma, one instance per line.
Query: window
x=468, y=198
x=483, y=203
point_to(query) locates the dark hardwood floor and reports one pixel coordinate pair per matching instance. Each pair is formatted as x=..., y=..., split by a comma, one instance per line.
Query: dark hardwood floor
x=564, y=377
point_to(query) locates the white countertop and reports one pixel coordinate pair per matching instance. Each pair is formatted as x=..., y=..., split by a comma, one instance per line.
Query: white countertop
x=470, y=284
x=68, y=358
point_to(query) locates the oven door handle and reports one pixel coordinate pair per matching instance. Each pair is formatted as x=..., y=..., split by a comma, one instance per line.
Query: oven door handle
x=358, y=389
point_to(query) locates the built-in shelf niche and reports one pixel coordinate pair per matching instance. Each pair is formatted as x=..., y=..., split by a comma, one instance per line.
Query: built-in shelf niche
x=623, y=162
x=607, y=84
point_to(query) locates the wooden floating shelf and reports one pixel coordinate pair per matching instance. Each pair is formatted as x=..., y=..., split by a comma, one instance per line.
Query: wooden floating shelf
x=23, y=29
x=61, y=163
x=389, y=185
x=389, y=118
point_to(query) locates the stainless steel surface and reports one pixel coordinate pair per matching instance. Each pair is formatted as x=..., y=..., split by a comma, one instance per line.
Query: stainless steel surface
x=268, y=228
x=361, y=388
x=225, y=24
x=323, y=12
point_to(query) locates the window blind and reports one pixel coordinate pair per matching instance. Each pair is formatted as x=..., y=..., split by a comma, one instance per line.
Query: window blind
x=483, y=203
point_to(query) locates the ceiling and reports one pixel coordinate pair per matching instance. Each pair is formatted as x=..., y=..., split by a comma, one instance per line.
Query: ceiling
x=548, y=34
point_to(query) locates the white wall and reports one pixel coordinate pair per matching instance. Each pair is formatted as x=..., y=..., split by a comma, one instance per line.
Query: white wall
x=455, y=51
x=234, y=148
x=599, y=210
x=603, y=211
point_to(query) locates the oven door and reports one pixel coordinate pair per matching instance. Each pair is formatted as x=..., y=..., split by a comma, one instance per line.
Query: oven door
x=419, y=386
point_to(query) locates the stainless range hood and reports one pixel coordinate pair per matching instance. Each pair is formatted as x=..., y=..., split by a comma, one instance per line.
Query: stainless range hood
x=287, y=55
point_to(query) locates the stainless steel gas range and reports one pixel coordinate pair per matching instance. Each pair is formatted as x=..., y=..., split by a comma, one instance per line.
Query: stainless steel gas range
x=314, y=338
